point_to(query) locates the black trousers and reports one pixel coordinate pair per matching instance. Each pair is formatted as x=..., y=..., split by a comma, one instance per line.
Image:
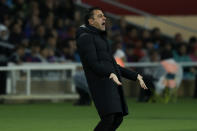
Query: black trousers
x=109, y=122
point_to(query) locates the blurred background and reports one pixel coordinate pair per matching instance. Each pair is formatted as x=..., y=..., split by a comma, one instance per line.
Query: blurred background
x=42, y=83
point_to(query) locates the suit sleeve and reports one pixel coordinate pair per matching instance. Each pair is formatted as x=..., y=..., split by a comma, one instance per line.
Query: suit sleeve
x=89, y=56
x=129, y=74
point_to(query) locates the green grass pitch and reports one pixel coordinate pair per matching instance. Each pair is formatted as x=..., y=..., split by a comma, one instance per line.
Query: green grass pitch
x=180, y=116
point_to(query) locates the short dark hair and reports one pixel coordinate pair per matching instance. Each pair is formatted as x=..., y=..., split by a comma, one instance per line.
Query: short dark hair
x=89, y=14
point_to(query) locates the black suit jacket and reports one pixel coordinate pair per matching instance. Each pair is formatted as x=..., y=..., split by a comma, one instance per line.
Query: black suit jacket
x=98, y=64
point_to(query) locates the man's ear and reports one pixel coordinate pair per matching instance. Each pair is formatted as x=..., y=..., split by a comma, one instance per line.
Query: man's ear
x=90, y=21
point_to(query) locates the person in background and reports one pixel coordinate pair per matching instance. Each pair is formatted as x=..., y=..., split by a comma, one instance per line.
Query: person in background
x=118, y=52
x=44, y=53
x=51, y=56
x=156, y=37
x=77, y=18
x=138, y=50
x=26, y=43
x=69, y=51
x=192, y=43
x=178, y=39
x=181, y=55
x=6, y=49
x=52, y=45
x=131, y=36
x=4, y=9
x=82, y=88
x=145, y=36
x=193, y=57
x=150, y=75
x=33, y=56
x=148, y=46
x=167, y=51
x=70, y=55
x=18, y=56
x=16, y=35
x=30, y=26
x=39, y=35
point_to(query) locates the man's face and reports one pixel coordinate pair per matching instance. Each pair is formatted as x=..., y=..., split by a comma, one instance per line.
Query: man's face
x=98, y=20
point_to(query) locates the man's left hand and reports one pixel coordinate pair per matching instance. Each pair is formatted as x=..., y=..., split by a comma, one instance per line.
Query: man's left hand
x=141, y=81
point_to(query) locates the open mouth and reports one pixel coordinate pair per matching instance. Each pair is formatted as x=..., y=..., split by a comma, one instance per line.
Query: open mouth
x=103, y=23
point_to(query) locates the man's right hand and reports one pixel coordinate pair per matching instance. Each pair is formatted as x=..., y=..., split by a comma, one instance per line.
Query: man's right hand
x=115, y=79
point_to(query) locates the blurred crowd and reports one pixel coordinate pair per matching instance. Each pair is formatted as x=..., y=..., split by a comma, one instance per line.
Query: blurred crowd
x=44, y=31
x=38, y=30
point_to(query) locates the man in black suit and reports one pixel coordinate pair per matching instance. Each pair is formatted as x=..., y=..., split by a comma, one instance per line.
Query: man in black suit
x=102, y=72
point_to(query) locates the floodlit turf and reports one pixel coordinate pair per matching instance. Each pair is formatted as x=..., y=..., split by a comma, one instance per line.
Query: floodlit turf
x=181, y=116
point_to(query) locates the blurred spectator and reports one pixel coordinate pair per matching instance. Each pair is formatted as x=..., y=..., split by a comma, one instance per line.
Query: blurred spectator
x=19, y=55
x=193, y=57
x=123, y=24
x=5, y=51
x=71, y=32
x=138, y=50
x=192, y=44
x=4, y=33
x=69, y=54
x=156, y=37
x=149, y=46
x=69, y=51
x=61, y=28
x=150, y=75
x=131, y=36
x=52, y=44
x=178, y=38
x=26, y=44
x=44, y=54
x=130, y=55
x=51, y=56
x=193, y=54
x=145, y=36
x=116, y=37
x=181, y=55
x=34, y=9
x=118, y=52
x=82, y=89
x=77, y=18
x=49, y=21
x=120, y=27
x=40, y=34
x=34, y=55
x=7, y=21
x=30, y=26
x=19, y=8
x=66, y=8
x=16, y=35
x=4, y=9
x=47, y=7
x=5, y=47
x=167, y=51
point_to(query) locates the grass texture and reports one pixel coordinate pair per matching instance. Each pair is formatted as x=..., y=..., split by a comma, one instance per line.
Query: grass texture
x=180, y=116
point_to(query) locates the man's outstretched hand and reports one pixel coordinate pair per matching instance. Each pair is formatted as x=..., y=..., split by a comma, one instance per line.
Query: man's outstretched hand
x=141, y=81
x=115, y=78
x=139, y=77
